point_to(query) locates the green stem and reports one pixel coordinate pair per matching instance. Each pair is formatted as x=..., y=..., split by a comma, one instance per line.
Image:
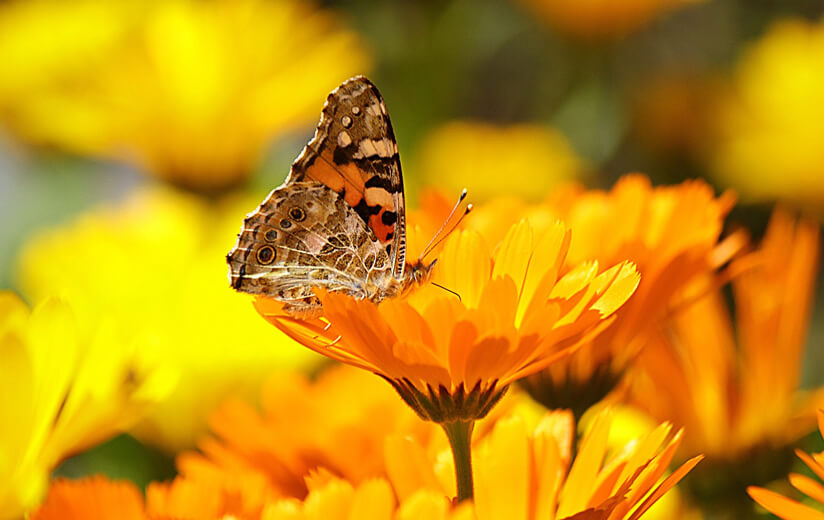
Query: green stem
x=459, y=434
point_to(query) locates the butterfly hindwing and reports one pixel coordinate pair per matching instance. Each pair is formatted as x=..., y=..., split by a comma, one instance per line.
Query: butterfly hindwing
x=304, y=236
x=354, y=153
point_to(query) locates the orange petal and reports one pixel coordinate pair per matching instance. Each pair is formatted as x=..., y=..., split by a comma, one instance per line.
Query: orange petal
x=782, y=506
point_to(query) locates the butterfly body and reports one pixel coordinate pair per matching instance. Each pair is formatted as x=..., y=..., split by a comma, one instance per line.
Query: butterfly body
x=338, y=221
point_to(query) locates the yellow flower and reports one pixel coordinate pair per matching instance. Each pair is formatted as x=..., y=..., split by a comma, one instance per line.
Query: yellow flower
x=601, y=19
x=671, y=233
x=65, y=388
x=522, y=160
x=515, y=315
x=529, y=473
x=735, y=386
x=768, y=143
x=190, y=91
x=152, y=268
x=790, y=509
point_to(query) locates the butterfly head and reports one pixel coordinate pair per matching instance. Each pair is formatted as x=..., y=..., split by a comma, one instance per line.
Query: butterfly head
x=416, y=274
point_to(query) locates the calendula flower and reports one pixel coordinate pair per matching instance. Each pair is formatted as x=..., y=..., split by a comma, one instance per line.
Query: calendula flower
x=335, y=424
x=190, y=91
x=735, y=385
x=93, y=497
x=523, y=472
x=517, y=153
x=530, y=473
x=788, y=509
x=451, y=357
x=100, y=498
x=65, y=388
x=329, y=499
x=767, y=142
x=601, y=19
x=671, y=233
x=148, y=266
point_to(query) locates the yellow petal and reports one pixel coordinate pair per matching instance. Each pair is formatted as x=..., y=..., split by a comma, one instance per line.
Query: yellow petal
x=464, y=266
x=502, y=468
x=513, y=254
x=584, y=471
x=373, y=500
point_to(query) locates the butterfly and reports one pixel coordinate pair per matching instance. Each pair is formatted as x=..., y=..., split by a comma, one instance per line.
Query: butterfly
x=338, y=222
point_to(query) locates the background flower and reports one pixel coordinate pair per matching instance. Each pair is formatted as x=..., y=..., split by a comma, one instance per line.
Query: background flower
x=189, y=91
x=790, y=509
x=528, y=159
x=735, y=384
x=596, y=19
x=768, y=124
x=152, y=266
x=65, y=388
x=671, y=233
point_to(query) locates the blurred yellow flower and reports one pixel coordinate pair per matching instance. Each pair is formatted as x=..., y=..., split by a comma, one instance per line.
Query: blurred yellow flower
x=788, y=509
x=191, y=91
x=769, y=131
x=153, y=267
x=522, y=160
x=65, y=388
x=601, y=19
x=735, y=386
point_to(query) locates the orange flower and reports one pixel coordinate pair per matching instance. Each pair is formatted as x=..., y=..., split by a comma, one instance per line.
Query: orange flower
x=92, y=498
x=601, y=19
x=740, y=400
x=452, y=354
x=326, y=425
x=790, y=509
x=671, y=233
x=523, y=473
x=451, y=357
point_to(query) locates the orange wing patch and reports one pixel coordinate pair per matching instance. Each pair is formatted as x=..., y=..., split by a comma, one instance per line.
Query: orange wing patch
x=342, y=178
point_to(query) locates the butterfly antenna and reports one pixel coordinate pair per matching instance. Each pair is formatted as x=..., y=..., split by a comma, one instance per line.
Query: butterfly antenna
x=446, y=235
x=437, y=238
x=447, y=290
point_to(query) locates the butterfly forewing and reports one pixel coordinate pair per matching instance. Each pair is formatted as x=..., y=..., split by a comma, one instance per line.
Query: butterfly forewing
x=354, y=153
x=338, y=221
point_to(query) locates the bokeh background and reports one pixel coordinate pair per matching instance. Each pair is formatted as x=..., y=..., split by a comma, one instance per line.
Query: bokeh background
x=134, y=136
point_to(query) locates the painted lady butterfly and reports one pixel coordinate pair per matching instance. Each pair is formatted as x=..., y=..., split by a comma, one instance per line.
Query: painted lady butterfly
x=338, y=221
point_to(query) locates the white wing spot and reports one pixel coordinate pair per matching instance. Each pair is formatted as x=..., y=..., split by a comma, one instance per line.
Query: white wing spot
x=344, y=139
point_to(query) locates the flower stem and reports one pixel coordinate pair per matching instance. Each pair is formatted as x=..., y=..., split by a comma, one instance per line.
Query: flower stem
x=459, y=434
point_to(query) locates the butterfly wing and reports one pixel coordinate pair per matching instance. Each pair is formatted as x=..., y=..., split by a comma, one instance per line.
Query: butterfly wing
x=303, y=236
x=354, y=153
